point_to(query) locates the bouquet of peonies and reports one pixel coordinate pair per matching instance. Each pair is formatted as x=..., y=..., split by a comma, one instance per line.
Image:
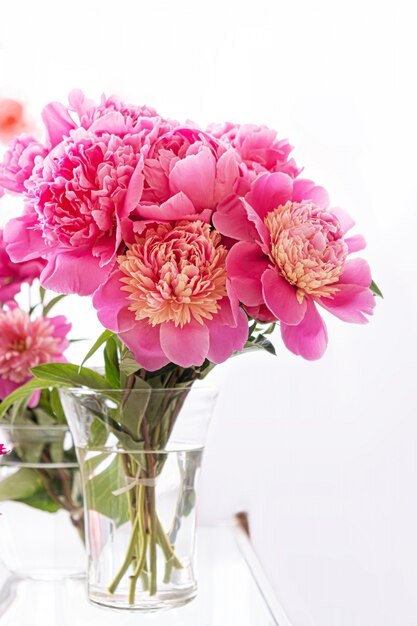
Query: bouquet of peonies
x=193, y=244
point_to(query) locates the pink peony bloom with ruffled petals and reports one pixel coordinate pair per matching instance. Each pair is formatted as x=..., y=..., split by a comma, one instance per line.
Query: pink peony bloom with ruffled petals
x=13, y=275
x=169, y=298
x=25, y=343
x=19, y=161
x=77, y=200
x=291, y=257
x=110, y=116
x=258, y=147
x=186, y=174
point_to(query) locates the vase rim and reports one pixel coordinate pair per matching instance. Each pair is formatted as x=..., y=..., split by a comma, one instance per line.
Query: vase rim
x=59, y=427
x=88, y=391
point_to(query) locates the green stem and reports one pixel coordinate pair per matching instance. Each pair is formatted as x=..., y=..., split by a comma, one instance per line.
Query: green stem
x=166, y=546
x=152, y=541
x=128, y=559
x=142, y=544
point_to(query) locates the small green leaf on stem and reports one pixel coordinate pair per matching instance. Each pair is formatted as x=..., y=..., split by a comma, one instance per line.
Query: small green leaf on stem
x=48, y=307
x=104, y=337
x=375, y=289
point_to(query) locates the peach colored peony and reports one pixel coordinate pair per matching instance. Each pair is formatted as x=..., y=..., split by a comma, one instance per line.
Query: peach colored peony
x=25, y=343
x=169, y=299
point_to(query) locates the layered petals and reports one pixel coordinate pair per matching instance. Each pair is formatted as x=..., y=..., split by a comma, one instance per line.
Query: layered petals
x=246, y=263
x=281, y=298
x=308, y=338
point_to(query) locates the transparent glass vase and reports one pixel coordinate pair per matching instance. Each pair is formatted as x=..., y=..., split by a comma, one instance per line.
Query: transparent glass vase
x=41, y=521
x=140, y=454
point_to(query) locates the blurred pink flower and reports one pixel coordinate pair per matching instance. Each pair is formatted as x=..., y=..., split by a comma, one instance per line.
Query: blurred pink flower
x=169, y=299
x=18, y=162
x=258, y=148
x=13, y=275
x=12, y=118
x=292, y=255
x=25, y=343
x=3, y=449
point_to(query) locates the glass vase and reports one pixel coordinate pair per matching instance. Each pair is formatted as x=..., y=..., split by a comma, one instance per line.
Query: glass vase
x=41, y=521
x=140, y=454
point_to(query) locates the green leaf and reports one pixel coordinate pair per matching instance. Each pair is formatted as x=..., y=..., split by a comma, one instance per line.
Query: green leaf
x=133, y=409
x=375, y=289
x=22, y=484
x=41, y=501
x=48, y=307
x=102, y=339
x=111, y=362
x=128, y=364
x=56, y=407
x=24, y=392
x=265, y=344
x=99, y=490
x=68, y=375
x=260, y=343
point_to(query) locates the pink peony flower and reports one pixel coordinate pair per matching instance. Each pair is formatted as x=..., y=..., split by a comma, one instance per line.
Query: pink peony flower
x=78, y=198
x=258, y=148
x=13, y=275
x=18, y=162
x=110, y=116
x=186, y=174
x=292, y=256
x=12, y=118
x=25, y=343
x=169, y=298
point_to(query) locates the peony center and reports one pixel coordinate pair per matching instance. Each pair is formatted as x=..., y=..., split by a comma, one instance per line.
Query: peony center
x=307, y=247
x=175, y=273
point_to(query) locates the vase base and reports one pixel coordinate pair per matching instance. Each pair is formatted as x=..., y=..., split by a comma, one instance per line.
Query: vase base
x=161, y=601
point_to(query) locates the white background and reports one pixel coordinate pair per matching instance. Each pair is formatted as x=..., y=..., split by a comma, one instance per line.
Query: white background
x=323, y=455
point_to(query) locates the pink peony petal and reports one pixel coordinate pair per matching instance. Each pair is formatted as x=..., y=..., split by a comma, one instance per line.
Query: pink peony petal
x=61, y=327
x=24, y=242
x=73, y=272
x=231, y=219
x=245, y=265
x=79, y=103
x=58, y=122
x=346, y=222
x=195, y=176
x=186, y=346
x=134, y=190
x=270, y=191
x=281, y=298
x=227, y=174
x=307, y=190
x=355, y=243
x=356, y=272
x=309, y=338
x=350, y=304
x=176, y=208
x=225, y=340
x=144, y=343
x=112, y=304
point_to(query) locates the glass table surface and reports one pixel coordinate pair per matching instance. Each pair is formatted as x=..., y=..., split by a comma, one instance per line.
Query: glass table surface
x=233, y=591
